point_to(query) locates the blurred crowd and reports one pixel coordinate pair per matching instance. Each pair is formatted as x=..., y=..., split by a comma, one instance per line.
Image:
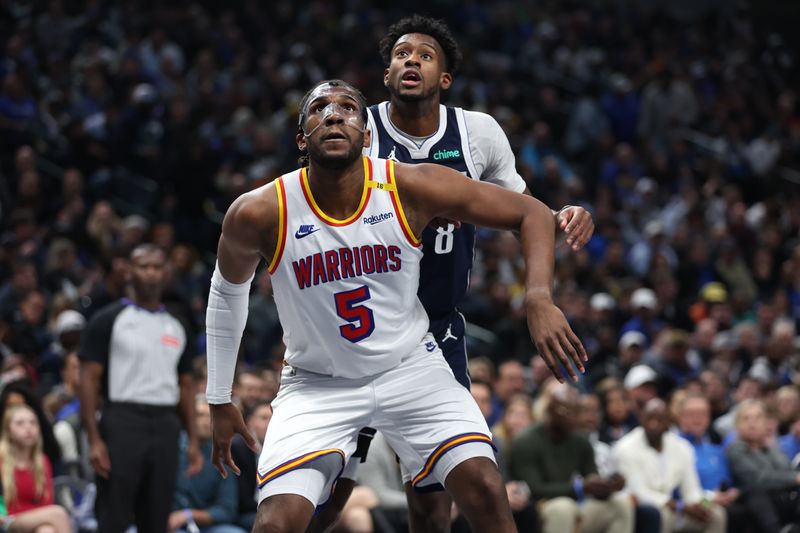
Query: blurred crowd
x=130, y=122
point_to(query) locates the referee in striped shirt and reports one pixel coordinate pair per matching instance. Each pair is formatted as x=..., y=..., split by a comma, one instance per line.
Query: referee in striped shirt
x=136, y=357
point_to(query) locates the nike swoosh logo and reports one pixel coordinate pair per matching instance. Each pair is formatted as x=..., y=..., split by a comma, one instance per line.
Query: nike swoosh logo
x=299, y=235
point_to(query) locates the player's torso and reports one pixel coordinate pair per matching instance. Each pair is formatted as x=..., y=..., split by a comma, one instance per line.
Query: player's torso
x=448, y=252
x=346, y=289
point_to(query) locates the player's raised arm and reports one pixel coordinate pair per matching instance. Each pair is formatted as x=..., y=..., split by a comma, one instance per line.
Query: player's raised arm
x=429, y=191
x=249, y=231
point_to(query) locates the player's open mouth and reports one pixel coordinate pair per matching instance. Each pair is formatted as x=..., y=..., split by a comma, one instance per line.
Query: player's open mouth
x=411, y=78
x=335, y=136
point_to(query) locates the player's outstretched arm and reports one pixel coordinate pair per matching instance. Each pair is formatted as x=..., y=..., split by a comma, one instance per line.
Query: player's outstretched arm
x=429, y=191
x=248, y=231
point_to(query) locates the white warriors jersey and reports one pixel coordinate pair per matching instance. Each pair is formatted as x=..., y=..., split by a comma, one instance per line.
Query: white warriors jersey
x=346, y=290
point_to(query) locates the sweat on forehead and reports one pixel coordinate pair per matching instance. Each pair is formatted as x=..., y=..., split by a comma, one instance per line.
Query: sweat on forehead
x=329, y=88
x=328, y=91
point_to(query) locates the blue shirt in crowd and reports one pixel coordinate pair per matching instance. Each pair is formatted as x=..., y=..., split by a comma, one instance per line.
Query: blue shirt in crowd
x=790, y=446
x=710, y=461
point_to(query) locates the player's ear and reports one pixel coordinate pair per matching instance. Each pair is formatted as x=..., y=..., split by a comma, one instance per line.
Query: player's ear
x=367, y=138
x=445, y=81
x=302, y=145
x=386, y=77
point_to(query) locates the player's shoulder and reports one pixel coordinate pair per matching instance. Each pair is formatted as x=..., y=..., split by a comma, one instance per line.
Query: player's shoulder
x=476, y=120
x=256, y=208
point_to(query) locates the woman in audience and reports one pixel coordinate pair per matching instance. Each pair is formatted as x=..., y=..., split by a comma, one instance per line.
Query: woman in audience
x=19, y=393
x=618, y=417
x=27, y=477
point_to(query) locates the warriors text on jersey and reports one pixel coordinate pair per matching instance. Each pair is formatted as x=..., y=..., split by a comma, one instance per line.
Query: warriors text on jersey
x=469, y=142
x=346, y=290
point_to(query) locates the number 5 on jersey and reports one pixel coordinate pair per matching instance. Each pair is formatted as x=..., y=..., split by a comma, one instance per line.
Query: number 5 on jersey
x=347, y=308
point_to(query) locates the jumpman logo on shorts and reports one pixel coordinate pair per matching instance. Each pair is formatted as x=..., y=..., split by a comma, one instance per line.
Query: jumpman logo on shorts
x=449, y=334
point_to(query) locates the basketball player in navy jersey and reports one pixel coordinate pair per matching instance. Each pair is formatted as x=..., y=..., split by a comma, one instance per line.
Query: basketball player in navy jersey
x=358, y=350
x=414, y=127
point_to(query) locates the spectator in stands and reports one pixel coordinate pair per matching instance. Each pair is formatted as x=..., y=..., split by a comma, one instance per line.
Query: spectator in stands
x=645, y=314
x=204, y=501
x=618, y=415
x=517, y=416
x=673, y=365
x=747, y=389
x=774, y=366
x=787, y=401
x=715, y=389
x=694, y=418
x=631, y=349
x=20, y=393
x=27, y=477
x=641, y=384
x=768, y=483
x=660, y=470
x=249, y=389
x=549, y=456
x=790, y=443
x=510, y=381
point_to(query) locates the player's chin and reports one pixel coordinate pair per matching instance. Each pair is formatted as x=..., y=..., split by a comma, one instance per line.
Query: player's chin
x=409, y=94
x=337, y=159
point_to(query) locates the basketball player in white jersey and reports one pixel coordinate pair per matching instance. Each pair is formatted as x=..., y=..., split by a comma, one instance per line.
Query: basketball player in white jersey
x=341, y=240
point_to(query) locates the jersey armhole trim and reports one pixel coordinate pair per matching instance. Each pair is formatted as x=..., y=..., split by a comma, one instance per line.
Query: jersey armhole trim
x=398, y=206
x=276, y=257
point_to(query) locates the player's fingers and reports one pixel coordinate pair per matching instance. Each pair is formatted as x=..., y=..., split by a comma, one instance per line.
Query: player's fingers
x=576, y=342
x=563, y=219
x=230, y=462
x=548, y=359
x=555, y=347
x=216, y=460
x=572, y=353
x=248, y=438
x=578, y=225
x=574, y=224
x=586, y=231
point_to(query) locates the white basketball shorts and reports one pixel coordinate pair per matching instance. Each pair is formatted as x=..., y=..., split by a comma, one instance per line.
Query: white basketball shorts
x=428, y=418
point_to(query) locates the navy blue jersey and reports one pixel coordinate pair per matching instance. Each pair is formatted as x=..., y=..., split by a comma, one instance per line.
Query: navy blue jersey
x=448, y=252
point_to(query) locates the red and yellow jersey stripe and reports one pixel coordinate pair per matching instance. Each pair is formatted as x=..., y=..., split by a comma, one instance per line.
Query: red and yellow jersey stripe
x=281, y=244
x=398, y=206
x=365, y=194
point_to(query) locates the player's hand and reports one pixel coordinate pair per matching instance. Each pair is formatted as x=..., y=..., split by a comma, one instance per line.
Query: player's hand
x=576, y=222
x=98, y=457
x=443, y=222
x=226, y=421
x=553, y=338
